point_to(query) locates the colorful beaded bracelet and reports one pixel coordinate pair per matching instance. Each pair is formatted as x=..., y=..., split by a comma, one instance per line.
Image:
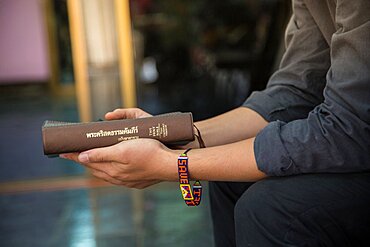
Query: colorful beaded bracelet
x=191, y=196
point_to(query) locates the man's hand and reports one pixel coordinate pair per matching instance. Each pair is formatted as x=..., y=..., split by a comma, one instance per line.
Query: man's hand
x=135, y=163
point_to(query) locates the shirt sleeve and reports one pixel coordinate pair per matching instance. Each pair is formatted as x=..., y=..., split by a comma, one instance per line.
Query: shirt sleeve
x=296, y=88
x=334, y=135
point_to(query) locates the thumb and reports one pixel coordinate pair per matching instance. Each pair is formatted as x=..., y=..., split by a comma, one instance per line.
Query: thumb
x=126, y=113
x=96, y=155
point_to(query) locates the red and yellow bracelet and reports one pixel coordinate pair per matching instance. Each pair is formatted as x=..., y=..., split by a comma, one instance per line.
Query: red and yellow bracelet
x=191, y=196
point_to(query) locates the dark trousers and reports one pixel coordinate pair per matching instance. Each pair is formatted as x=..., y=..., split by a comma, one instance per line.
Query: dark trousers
x=304, y=210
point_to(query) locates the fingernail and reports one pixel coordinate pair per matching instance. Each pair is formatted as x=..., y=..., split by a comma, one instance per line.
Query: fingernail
x=83, y=157
x=63, y=156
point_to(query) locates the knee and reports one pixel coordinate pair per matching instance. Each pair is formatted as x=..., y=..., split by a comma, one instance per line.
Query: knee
x=259, y=199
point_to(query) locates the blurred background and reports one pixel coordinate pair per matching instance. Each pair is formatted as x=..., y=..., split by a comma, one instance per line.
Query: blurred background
x=74, y=60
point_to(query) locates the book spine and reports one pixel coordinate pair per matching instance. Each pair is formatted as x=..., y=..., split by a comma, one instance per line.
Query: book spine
x=169, y=129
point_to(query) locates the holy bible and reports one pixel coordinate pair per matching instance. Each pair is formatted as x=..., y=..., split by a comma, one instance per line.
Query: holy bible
x=64, y=137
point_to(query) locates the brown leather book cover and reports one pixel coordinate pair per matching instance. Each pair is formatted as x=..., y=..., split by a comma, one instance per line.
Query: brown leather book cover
x=64, y=137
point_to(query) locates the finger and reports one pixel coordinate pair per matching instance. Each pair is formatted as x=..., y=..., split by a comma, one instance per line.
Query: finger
x=127, y=113
x=106, y=167
x=133, y=184
x=107, y=171
x=69, y=156
x=101, y=155
x=102, y=166
x=105, y=177
x=140, y=184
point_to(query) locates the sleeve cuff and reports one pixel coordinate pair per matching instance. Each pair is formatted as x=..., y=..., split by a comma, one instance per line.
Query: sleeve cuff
x=261, y=103
x=271, y=155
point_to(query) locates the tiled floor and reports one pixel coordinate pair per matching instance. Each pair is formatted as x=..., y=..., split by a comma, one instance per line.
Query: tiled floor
x=109, y=216
x=96, y=216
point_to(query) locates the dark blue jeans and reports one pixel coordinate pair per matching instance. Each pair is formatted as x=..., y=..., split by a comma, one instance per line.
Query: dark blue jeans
x=305, y=210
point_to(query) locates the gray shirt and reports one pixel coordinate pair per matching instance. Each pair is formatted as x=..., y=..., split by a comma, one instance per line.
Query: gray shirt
x=318, y=102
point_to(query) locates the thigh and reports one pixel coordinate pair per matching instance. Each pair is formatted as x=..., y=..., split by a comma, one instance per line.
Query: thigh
x=223, y=197
x=305, y=210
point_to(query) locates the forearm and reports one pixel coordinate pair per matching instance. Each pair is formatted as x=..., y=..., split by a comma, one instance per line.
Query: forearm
x=142, y=162
x=236, y=125
x=229, y=162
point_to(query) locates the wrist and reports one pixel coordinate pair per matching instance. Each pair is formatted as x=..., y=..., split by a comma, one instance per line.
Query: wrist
x=169, y=165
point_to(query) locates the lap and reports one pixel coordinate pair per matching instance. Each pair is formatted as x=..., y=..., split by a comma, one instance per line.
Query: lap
x=329, y=208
